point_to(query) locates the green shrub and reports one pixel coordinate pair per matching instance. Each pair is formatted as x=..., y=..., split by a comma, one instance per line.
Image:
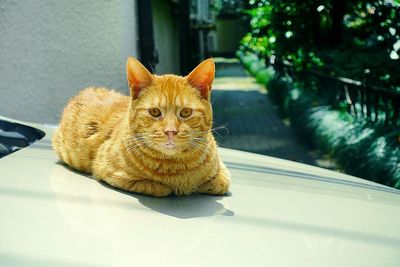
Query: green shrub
x=326, y=125
x=382, y=160
x=248, y=59
x=362, y=149
x=357, y=146
x=239, y=54
x=297, y=106
x=355, y=140
x=256, y=66
x=264, y=75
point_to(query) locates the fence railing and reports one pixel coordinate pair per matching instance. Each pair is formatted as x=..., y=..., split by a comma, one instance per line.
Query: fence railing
x=363, y=100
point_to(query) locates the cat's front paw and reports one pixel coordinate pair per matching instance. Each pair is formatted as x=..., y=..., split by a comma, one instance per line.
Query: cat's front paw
x=151, y=188
x=219, y=185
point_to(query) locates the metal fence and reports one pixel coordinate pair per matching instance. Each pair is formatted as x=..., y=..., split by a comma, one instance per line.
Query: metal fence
x=363, y=100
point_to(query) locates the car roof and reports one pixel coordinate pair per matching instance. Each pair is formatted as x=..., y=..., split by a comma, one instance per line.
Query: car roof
x=278, y=213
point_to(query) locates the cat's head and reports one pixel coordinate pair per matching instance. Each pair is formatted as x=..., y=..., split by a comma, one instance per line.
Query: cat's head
x=170, y=113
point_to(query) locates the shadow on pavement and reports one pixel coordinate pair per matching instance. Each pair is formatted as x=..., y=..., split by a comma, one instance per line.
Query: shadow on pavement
x=254, y=126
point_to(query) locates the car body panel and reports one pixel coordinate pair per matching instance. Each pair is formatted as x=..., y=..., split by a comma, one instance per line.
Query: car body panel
x=278, y=213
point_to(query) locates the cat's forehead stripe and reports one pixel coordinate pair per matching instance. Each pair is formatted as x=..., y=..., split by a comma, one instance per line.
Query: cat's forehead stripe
x=171, y=90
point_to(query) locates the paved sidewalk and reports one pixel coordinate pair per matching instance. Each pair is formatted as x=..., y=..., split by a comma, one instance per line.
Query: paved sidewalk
x=253, y=123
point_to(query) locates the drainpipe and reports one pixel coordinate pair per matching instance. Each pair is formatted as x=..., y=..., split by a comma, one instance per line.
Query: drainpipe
x=148, y=53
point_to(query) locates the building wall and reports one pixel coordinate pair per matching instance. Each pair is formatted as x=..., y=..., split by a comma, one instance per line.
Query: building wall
x=229, y=32
x=49, y=50
x=166, y=35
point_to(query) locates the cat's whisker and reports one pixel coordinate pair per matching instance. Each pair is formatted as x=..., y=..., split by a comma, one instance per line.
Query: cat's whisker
x=132, y=143
x=204, y=140
x=224, y=146
x=199, y=138
x=140, y=148
x=222, y=127
x=217, y=133
x=196, y=147
x=198, y=143
x=130, y=148
x=199, y=148
x=138, y=136
x=213, y=130
x=133, y=139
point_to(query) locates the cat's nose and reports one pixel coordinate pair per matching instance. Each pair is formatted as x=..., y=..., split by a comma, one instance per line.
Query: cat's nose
x=170, y=132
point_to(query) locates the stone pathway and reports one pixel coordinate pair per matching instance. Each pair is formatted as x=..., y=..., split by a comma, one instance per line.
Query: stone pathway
x=252, y=121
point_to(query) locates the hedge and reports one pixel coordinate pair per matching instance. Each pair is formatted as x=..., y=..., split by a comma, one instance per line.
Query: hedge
x=361, y=148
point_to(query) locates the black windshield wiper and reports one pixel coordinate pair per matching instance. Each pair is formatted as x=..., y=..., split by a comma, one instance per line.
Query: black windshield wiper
x=14, y=136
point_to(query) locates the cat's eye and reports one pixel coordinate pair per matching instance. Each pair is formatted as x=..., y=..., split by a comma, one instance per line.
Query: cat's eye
x=186, y=112
x=155, y=112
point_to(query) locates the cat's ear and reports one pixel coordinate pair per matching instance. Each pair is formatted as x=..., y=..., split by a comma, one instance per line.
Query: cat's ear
x=202, y=77
x=138, y=76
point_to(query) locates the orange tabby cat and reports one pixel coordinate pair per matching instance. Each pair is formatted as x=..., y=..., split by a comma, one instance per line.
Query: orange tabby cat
x=156, y=142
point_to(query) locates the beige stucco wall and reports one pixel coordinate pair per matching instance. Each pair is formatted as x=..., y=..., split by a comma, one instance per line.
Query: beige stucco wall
x=49, y=50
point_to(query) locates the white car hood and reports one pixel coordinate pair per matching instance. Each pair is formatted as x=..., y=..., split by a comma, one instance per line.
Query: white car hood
x=279, y=213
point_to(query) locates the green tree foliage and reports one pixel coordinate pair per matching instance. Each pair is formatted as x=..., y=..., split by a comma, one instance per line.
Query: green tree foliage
x=353, y=39
x=344, y=38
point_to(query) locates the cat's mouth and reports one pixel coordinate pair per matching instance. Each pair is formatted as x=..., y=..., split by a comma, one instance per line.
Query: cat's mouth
x=170, y=144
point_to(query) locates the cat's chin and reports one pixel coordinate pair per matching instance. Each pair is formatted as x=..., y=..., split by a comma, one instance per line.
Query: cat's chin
x=169, y=149
x=170, y=146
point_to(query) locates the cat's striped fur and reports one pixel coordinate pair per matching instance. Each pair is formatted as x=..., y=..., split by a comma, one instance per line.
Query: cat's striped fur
x=120, y=141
